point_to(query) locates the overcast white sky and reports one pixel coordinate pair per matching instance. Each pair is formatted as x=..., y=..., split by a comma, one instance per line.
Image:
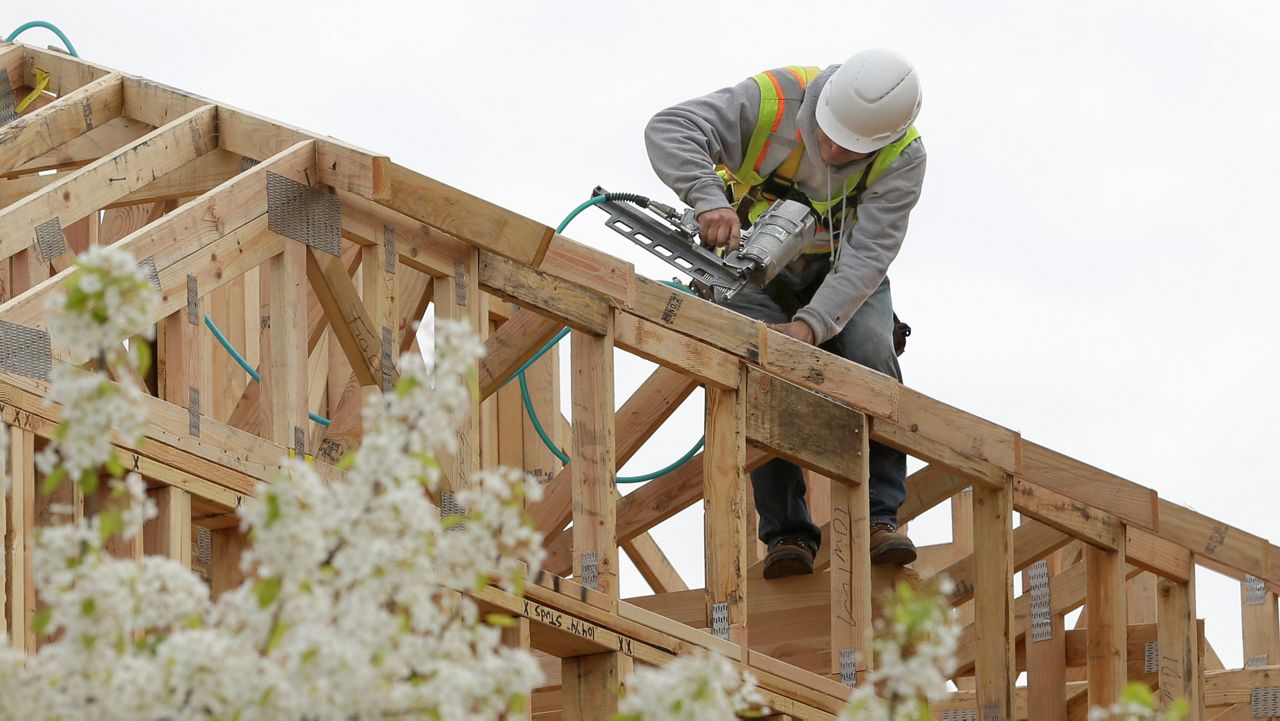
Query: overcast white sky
x=1092, y=262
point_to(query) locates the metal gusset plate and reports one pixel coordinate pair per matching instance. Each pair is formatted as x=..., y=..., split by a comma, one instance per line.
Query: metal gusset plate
x=449, y=506
x=50, y=240
x=25, y=351
x=1265, y=702
x=960, y=714
x=1041, y=610
x=848, y=667
x=720, y=620
x=307, y=215
x=148, y=266
x=8, y=104
x=1255, y=591
x=590, y=570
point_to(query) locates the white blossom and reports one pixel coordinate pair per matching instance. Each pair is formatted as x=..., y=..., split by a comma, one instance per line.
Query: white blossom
x=701, y=687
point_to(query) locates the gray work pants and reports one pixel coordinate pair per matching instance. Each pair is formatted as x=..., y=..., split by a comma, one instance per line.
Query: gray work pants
x=867, y=339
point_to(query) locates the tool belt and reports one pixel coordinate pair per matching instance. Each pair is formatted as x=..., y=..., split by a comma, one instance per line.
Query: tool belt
x=791, y=300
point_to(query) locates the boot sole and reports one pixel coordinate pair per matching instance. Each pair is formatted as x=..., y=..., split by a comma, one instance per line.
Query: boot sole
x=788, y=564
x=897, y=554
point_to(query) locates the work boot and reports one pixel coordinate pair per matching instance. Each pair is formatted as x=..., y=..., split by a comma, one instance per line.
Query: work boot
x=789, y=556
x=890, y=546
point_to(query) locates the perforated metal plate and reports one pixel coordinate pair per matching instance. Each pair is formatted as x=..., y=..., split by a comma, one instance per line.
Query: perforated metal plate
x=991, y=712
x=8, y=104
x=1263, y=659
x=247, y=163
x=960, y=714
x=148, y=266
x=193, y=301
x=1151, y=657
x=388, y=342
x=193, y=411
x=848, y=667
x=299, y=442
x=460, y=283
x=389, y=256
x=1255, y=591
x=720, y=620
x=590, y=571
x=26, y=351
x=1041, y=608
x=204, y=546
x=304, y=214
x=1265, y=702
x=50, y=240
x=449, y=506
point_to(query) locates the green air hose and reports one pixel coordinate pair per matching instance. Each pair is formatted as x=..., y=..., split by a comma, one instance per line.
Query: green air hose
x=524, y=386
x=235, y=354
x=48, y=26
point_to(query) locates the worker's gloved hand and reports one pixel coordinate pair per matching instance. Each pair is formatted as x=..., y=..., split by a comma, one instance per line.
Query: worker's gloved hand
x=720, y=228
x=797, y=329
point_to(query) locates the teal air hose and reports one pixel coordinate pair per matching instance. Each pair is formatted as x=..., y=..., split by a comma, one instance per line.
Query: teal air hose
x=235, y=354
x=524, y=386
x=47, y=26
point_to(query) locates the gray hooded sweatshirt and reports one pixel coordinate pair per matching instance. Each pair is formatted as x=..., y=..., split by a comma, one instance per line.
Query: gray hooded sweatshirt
x=686, y=142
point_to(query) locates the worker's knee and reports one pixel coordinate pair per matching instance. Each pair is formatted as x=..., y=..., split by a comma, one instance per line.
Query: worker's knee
x=868, y=343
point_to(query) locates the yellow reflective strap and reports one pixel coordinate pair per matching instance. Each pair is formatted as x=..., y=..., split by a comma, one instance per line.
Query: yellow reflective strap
x=770, y=106
x=42, y=82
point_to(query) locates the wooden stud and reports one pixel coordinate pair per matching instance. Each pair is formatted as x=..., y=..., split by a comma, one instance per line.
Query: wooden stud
x=1178, y=639
x=357, y=330
x=1107, y=617
x=993, y=600
x=850, y=544
x=20, y=592
x=1047, y=666
x=285, y=376
x=1259, y=624
x=724, y=484
x=71, y=115
x=590, y=686
x=653, y=564
x=229, y=545
x=169, y=533
x=594, y=467
x=457, y=298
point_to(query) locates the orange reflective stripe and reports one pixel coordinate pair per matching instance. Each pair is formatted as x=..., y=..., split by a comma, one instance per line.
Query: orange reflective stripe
x=804, y=82
x=764, y=150
x=777, y=117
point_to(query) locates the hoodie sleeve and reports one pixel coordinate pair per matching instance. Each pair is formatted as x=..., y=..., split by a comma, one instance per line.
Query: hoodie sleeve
x=868, y=246
x=686, y=141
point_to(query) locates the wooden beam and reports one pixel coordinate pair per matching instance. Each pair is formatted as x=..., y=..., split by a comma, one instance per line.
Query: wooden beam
x=1178, y=640
x=513, y=344
x=850, y=577
x=1091, y=525
x=457, y=298
x=773, y=408
x=20, y=592
x=653, y=564
x=1259, y=623
x=169, y=533
x=577, y=307
x=1047, y=664
x=85, y=148
x=594, y=465
x=285, y=375
x=724, y=485
x=1131, y=503
x=993, y=600
x=114, y=176
x=590, y=686
x=463, y=216
x=1216, y=540
x=348, y=317
x=380, y=292
x=676, y=351
x=1107, y=620
x=61, y=121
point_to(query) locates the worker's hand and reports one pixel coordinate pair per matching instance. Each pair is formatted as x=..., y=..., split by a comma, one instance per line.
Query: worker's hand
x=797, y=329
x=720, y=227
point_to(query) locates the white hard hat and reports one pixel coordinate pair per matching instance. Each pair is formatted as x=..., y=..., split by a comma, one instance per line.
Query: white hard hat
x=869, y=101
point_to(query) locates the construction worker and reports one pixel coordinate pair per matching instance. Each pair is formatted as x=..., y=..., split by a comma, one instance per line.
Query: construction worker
x=841, y=140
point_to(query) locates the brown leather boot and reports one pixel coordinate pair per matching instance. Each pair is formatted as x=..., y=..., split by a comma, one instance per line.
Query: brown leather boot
x=789, y=556
x=891, y=547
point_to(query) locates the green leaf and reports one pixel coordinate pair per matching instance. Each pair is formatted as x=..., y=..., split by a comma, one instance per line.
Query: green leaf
x=267, y=590
x=273, y=508
x=53, y=480
x=41, y=621
x=500, y=620
x=110, y=523
x=348, y=459
x=140, y=348
x=516, y=704
x=88, y=606
x=114, y=466
x=276, y=634
x=451, y=521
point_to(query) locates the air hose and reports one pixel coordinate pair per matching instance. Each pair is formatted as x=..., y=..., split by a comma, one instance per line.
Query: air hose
x=643, y=202
x=235, y=354
x=47, y=26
